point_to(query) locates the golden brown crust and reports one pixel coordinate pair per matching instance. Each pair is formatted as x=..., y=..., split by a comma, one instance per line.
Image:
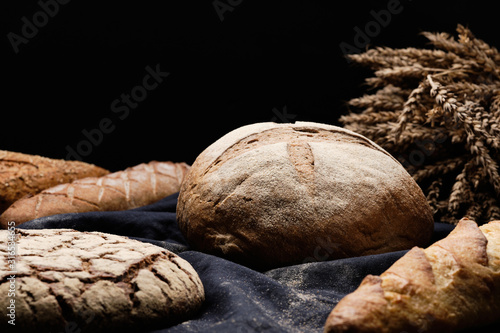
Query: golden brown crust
x=131, y=188
x=453, y=284
x=269, y=195
x=24, y=174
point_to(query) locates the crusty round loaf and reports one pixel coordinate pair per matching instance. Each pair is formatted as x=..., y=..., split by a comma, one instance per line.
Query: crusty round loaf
x=64, y=280
x=269, y=194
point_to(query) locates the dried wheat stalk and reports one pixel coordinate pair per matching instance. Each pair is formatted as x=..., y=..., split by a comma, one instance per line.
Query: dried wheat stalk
x=438, y=111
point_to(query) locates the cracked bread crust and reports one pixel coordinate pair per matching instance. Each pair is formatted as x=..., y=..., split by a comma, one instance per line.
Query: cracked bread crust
x=133, y=187
x=267, y=194
x=24, y=174
x=96, y=281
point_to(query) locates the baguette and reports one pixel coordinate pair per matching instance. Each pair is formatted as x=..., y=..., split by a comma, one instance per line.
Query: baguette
x=24, y=174
x=452, y=285
x=133, y=187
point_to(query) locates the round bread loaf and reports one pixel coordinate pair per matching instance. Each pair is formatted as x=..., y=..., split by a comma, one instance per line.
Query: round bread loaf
x=269, y=195
x=64, y=280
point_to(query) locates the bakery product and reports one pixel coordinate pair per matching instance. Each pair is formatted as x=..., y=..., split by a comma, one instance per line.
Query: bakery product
x=269, y=195
x=24, y=174
x=95, y=282
x=452, y=285
x=133, y=187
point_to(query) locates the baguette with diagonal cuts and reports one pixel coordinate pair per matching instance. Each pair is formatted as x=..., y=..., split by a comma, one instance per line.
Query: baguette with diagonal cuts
x=133, y=187
x=24, y=174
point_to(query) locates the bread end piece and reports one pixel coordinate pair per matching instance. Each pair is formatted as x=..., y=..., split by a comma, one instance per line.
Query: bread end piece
x=453, y=284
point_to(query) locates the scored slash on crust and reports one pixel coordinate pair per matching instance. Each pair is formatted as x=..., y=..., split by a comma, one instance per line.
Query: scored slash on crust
x=302, y=158
x=131, y=188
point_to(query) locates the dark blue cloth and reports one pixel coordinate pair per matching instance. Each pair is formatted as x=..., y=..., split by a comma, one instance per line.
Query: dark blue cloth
x=238, y=299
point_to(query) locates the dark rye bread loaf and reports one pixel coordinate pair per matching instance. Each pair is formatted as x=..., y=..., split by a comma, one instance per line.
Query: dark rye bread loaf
x=271, y=194
x=24, y=174
x=133, y=187
x=71, y=281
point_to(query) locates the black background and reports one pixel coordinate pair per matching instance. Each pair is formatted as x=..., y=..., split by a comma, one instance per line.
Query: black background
x=263, y=55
